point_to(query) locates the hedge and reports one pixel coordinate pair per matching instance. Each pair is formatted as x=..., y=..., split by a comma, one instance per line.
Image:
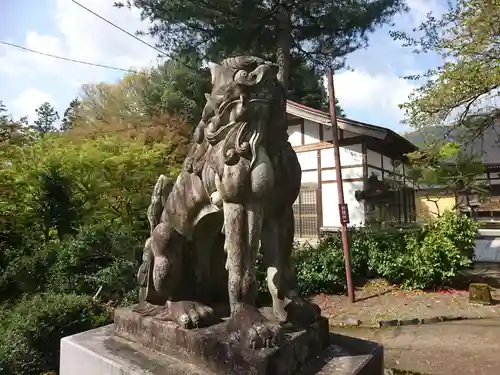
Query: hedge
x=416, y=259
x=30, y=332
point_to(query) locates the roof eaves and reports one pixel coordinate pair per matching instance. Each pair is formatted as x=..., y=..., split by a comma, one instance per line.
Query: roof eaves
x=378, y=132
x=321, y=117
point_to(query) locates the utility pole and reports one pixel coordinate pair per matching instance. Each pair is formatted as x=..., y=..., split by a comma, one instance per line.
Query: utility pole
x=343, y=210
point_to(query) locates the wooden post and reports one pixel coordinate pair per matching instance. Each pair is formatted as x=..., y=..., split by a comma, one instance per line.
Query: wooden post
x=343, y=209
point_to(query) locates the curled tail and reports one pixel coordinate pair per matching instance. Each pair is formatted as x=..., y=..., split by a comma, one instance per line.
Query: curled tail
x=159, y=197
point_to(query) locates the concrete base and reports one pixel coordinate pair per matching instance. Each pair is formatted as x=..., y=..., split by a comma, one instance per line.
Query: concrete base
x=101, y=352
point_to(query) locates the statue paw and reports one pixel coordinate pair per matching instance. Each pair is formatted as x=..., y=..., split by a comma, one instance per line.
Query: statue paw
x=253, y=330
x=188, y=314
x=302, y=312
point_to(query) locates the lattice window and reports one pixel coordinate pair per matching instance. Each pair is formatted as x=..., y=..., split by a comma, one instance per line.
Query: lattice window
x=305, y=211
x=403, y=208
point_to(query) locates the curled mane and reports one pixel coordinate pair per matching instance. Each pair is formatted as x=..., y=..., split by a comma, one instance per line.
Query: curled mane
x=236, y=111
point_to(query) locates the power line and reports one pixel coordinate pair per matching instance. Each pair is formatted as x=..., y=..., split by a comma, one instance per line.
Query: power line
x=67, y=58
x=119, y=28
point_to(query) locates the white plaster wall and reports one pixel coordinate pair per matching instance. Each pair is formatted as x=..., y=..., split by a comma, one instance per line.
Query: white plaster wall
x=311, y=132
x=294, y=135
x=327, y=158
x=387, y=163
x=374, y=171
x=349, y=155
x=327, y=133
x=308, y=159
x=347, y=173
x=487, y=249
x=373, y=158
x=331, y=216
x=308, y=177
x=495, y=182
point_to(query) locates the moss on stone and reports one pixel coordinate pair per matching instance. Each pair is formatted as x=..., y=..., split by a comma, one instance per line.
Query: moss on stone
x=480, y=294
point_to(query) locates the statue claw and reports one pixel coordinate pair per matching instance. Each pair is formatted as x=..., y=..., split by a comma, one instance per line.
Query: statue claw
x=254, y=330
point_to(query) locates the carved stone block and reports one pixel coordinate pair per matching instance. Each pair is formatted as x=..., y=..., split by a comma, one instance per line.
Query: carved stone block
x=214, y=349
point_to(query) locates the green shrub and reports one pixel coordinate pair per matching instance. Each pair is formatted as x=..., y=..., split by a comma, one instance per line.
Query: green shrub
x=319, y=269
x=31, y=331
x=445, y=247
x=25, y=272
x=106, y=255
x=388, y=257
x=460, y=229
x=414, y=258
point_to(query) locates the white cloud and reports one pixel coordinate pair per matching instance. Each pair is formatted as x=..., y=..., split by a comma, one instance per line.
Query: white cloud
x=82, y=36
x=420, y=8
x=378, y=95
x=26, y=103
x=371, y=88
x=90, y=38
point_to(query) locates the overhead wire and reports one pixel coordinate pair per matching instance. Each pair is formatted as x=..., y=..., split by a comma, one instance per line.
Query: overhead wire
x=120, y=28
x=163, y=53
x=87, y=62
x=67, y=58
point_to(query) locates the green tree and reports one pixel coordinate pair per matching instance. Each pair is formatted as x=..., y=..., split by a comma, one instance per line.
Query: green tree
x=446, y=165
x=70, y=115
x=46, y=118
x=178, y=87
x=322, y=31
x=59, y=208
x=119, y=105
x=58, y=182
x=10, y=131
x=306, y=86
x=463, y=91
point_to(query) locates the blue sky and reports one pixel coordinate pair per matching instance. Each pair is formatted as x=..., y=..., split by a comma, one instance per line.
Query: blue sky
x=370, y=93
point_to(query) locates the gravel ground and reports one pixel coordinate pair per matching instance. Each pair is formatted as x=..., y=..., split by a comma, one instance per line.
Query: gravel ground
x=377, y=301
x=453, y=348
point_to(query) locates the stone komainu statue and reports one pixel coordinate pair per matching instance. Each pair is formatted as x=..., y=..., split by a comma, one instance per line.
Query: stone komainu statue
x=234, y=195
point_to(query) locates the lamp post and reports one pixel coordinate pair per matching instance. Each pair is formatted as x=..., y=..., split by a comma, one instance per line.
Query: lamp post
x=343, y=209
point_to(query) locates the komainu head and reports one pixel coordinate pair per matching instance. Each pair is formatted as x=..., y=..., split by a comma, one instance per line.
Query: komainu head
x=245, y=95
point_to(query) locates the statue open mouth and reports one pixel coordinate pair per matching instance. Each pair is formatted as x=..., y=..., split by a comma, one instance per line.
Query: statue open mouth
x=231, y=198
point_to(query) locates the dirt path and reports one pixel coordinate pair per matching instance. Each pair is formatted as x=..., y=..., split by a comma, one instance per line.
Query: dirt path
x=379, y=301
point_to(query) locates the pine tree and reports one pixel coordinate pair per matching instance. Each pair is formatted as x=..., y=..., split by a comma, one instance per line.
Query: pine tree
x=70, y=115
x=320, y=31
x=10, y=130
x=47, y=116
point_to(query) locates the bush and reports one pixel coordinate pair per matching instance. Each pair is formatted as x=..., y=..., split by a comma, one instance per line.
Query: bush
x=25, y=272
x=106, y=255
x=446, y=246
x=388, y=257
x=320, y=269
x=459, y=229
x=413, y=258
x=31, y=331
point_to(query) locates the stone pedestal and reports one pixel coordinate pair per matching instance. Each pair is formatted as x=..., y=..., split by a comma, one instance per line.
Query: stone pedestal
x=142, y=345
x=213, y=349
